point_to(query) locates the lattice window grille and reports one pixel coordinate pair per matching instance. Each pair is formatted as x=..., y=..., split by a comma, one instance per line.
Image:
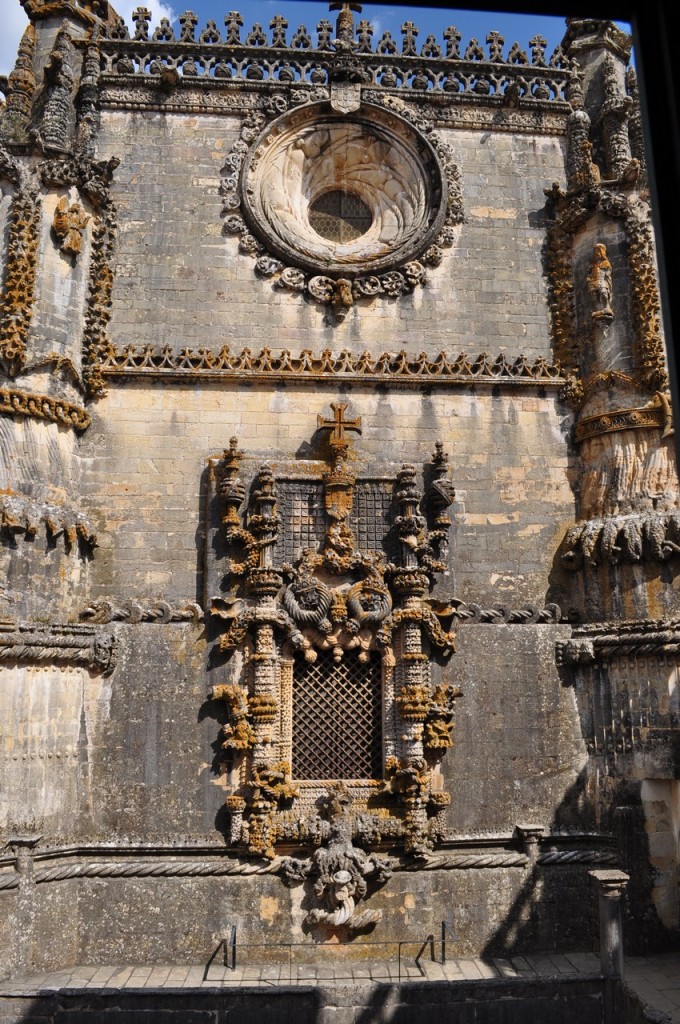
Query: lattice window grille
x=337, y=718
x=303, y=518
x=371, y=513
x=340, y=216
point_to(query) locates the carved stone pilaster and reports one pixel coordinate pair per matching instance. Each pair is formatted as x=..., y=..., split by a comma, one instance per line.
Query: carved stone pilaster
x=87, y=102
x=54, y=129
x=18, y=291
x=614, y=114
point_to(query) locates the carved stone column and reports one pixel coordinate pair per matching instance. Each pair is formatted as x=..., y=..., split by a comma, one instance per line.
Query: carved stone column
x=611, y=886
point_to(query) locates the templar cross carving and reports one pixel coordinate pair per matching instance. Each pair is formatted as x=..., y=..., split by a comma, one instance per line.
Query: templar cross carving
x=339, y=425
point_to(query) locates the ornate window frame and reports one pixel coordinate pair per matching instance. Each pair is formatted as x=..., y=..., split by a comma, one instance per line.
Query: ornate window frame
x=335, y=599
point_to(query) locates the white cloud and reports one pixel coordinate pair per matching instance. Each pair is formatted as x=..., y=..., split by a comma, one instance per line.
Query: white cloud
x=14, y=21
x=158, y=10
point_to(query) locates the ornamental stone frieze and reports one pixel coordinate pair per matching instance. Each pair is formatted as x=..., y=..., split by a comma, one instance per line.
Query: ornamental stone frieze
x=342, y=206
x=327, y=635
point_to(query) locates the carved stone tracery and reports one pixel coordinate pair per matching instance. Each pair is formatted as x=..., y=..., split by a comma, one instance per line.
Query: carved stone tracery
x=354, y=613
x=384, y=155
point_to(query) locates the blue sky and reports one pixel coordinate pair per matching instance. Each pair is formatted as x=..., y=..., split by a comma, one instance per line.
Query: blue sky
x=520, y=28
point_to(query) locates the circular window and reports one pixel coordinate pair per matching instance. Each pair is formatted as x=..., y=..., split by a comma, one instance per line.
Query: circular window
x=348, y=196
x=340, y=216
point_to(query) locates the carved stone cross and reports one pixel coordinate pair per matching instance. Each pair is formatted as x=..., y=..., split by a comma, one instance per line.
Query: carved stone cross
x=409, y=31
x=538, y=45
x=233, y=21
x=339, y=424
x=452, y=37
x=495, y=41
x=141, y=18
x=188, y=22
x=278, y=25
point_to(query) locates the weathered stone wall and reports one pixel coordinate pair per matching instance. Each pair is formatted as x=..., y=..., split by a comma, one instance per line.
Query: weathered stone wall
x=509, y=460
x=181, y=282
x=556, y=1001
x=113, y=750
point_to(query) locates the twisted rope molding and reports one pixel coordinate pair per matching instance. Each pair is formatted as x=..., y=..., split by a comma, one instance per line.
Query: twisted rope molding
x=71, y=645
x=106, y=611
x=465, y=861
x=607, y=641
x=144, y=869
x=578, y=857
x=191, y=869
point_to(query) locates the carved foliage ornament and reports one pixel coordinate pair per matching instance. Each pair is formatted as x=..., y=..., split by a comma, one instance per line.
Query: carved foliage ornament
x=342, y=207
x=68, y=225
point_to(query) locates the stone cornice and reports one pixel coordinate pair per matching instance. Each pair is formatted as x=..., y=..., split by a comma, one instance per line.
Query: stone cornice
x=607, y=641
x=148, y=361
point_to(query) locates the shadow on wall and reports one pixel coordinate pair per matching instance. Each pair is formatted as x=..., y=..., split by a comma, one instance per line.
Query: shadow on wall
x=556, y=907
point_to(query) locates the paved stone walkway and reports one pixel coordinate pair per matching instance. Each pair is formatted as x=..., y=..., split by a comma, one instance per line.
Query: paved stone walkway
x=655, y=979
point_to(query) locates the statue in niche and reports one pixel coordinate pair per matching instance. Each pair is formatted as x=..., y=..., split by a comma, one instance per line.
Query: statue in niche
x=600, y=283
x=68, y=225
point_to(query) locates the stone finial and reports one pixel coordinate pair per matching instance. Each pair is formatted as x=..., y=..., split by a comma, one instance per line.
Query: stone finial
x=19, y=89
x=163, y=33
x=453, y=38
x=141, y=18
x=233, y=22
x=409, y=32
x=344, y=26
x=474, y=50
x=256, y=37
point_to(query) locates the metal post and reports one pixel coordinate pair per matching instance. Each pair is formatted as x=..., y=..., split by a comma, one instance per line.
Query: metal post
x=443, y=943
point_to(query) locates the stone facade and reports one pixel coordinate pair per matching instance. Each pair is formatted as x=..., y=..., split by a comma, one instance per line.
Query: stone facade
x=339, y=511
